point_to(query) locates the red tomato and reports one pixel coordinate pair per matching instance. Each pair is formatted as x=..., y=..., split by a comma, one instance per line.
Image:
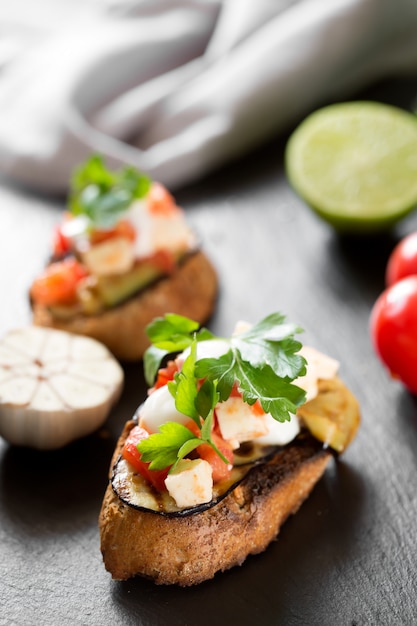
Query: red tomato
x=393, y=327
x=131, y=453
x=219, y=468
x=58, y=283
x=123, y=228
x=60, y=244
x=403, y=260
x=165, y=374
x=164, y=260
x=160, y=200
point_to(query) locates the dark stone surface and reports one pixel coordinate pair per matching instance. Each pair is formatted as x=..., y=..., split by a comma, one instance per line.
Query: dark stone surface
x=348, y=557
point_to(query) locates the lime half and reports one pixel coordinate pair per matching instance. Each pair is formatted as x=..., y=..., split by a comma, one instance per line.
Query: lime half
x=355, y=164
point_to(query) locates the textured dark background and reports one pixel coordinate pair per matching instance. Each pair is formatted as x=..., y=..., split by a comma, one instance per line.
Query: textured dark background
x=349, y=556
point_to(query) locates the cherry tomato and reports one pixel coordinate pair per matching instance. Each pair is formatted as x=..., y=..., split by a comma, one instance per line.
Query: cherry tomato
x=131, y=453
x=393, y=327
x=58, y=283
x=403, y=260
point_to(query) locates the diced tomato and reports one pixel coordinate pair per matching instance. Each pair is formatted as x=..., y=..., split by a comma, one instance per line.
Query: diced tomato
x=123, y=228
x=160, y=200
x=58, y=283
x=163, y=260
x=165, y=374
x=131, y=453
x=219, y=468
x=60, y=244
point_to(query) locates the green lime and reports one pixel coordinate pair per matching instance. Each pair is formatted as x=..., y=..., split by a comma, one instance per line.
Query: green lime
x=355, y=164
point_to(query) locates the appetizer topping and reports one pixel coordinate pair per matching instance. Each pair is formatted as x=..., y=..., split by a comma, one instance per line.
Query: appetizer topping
x=190, y=483
x=122, y=230
x=217, y=397
x=54, y=386
x=320, y=367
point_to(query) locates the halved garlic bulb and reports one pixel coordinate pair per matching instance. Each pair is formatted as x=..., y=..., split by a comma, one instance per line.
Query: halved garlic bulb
x=55, y=387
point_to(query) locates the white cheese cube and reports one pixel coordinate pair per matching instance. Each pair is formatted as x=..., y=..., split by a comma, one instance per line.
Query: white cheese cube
x=238, y=421
x=114, y=256
x=191, y=483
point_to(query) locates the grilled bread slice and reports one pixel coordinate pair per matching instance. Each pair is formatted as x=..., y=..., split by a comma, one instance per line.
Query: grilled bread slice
x=189, y=547
x=190, y=290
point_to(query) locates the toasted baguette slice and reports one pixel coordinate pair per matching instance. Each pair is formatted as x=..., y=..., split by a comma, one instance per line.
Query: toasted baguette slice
x=191, y=291
x=190, y=549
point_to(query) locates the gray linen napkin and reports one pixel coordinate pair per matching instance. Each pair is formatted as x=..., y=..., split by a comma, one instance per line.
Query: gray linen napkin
x=178, y=88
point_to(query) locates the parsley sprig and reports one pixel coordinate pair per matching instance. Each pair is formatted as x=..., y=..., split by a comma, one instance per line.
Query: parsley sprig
x=102, y=195
x=263, y=361
x=175, y=441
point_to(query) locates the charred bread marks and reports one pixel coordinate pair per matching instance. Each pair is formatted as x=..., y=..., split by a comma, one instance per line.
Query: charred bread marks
x=191, y=290
x=188, y=550
x=257, y=480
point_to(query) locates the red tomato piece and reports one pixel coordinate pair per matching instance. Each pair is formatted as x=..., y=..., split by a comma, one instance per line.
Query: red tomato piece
x=393, y=328
x=219, y=468
x=165, y=374
x=164, y=260
x=131, y=453
x=58, y=283
x=60, y=244
x=160, y=200
x=123, y=228
x=403, y=260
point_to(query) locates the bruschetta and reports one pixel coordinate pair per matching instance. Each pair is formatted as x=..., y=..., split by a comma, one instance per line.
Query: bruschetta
x=231, y=439
x=122, y=255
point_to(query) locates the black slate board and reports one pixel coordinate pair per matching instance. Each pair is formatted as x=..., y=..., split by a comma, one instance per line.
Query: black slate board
x=348, y=557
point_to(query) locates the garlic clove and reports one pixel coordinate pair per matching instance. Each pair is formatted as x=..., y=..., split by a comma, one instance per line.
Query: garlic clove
x=54, y=386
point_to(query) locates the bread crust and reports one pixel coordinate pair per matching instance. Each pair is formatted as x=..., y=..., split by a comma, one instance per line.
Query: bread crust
x=191, y=291
x=188, y=550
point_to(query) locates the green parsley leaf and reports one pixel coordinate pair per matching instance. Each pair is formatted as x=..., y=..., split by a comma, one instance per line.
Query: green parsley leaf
x=151, y=362
x=222, y=370
x=103, y=195
x=262, y=361
x=161, y=449
x=184, y=387
x=169, y=334
x=271, y=341
x=207, y=398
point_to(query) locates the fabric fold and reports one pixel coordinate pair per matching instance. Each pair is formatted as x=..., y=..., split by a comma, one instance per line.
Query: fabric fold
x=182, y=87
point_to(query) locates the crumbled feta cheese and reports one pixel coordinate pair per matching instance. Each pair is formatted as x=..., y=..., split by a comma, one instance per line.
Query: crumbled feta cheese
x=191, y=483
x=238, y=421
x=115, y=256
